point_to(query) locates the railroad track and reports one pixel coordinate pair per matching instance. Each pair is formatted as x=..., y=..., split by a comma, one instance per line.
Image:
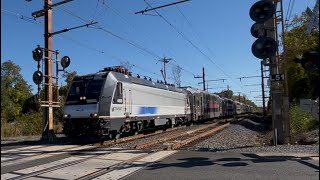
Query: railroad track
x=179, y=140
x=172, y=141
x=192, y=134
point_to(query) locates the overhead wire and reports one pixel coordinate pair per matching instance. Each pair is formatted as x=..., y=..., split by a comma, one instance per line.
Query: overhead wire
x=23, y=17
x=95, y=11
x=81, y=44
x=157, y=57
x=133, y=27
x=120, y=38
x=194, y=29
x=193, y=45
x=288, y=14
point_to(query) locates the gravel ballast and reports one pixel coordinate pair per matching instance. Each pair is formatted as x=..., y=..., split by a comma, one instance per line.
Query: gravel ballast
x=247, y=137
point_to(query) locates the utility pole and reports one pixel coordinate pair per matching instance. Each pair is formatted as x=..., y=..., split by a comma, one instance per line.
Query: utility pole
x=163, y=72
x=286, y=116
x=48, y=111
x=203, y=79
x=210, y=80
x=48, y=103
x=266, y=47
x=262, y=87
x=275, y=89
x=264, y=112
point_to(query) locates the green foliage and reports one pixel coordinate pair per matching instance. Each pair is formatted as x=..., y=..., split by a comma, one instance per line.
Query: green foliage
x=31, y=123
x=301, y=84
x=227, y=93
x=14, y=91
x=21, y=114
x=301, y=121
x=25, y=125
x=31, y=105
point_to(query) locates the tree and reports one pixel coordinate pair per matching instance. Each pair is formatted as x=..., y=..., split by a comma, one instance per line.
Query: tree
x=14, y=90
x=63, y=91
x=226, y=93
x=177, y=73
x=301, y=84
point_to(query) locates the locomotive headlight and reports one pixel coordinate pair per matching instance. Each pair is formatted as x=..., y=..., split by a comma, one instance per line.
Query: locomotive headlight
x=65, y=115
x=94, y=115
x=80, y=97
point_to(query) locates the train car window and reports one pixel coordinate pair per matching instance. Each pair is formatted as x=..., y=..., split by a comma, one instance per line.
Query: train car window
x=94, y=87
x=91, y=89
x=77, y=88
x=118, y=95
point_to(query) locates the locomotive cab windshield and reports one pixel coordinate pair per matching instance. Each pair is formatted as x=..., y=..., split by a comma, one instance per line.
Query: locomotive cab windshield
x=85, y=91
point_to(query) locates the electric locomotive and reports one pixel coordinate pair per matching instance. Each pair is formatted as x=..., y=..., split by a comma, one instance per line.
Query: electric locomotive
x=112, y=102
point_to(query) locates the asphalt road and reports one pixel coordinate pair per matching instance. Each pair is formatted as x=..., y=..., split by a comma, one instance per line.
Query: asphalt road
x=226, y=165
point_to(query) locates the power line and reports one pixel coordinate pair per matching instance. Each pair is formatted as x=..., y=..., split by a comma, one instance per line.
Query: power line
x=148, y=34
x=193, y=45
x=23, y=17
x=146, y=10
x=82, y=44
x=288, y=14
x=95, y=11
x=120, y=37
x=194, y=30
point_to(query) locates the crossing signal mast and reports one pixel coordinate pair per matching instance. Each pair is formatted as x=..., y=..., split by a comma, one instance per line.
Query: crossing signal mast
x=48, y=101
x=45, y=54
x=264, y=13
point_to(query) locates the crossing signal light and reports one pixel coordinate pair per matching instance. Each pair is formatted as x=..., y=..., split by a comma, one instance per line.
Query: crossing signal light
x=264, y=48
x=65, y=62
x=258, y=30
x=261, y=11
x=309, y=60
x=37, y=54
x=37, y=77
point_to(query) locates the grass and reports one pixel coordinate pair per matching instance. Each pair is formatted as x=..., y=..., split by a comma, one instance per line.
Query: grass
x=301, y=121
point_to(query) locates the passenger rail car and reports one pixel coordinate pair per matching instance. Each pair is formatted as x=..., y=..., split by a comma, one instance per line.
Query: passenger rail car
x=112, y=102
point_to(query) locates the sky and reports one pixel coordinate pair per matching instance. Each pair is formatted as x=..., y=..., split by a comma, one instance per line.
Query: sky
x=198, y=33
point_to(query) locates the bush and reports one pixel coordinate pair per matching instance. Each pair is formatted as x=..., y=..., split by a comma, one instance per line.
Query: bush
x=30, y=123
x=8, y=129
x=25, y=125
x=301, y=121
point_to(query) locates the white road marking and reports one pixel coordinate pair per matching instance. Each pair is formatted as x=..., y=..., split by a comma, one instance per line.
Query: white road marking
x=22, y=148
x=120, y=173
x=8, y=176
x=84, y=163
x=90, y=166
x=46, y=154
